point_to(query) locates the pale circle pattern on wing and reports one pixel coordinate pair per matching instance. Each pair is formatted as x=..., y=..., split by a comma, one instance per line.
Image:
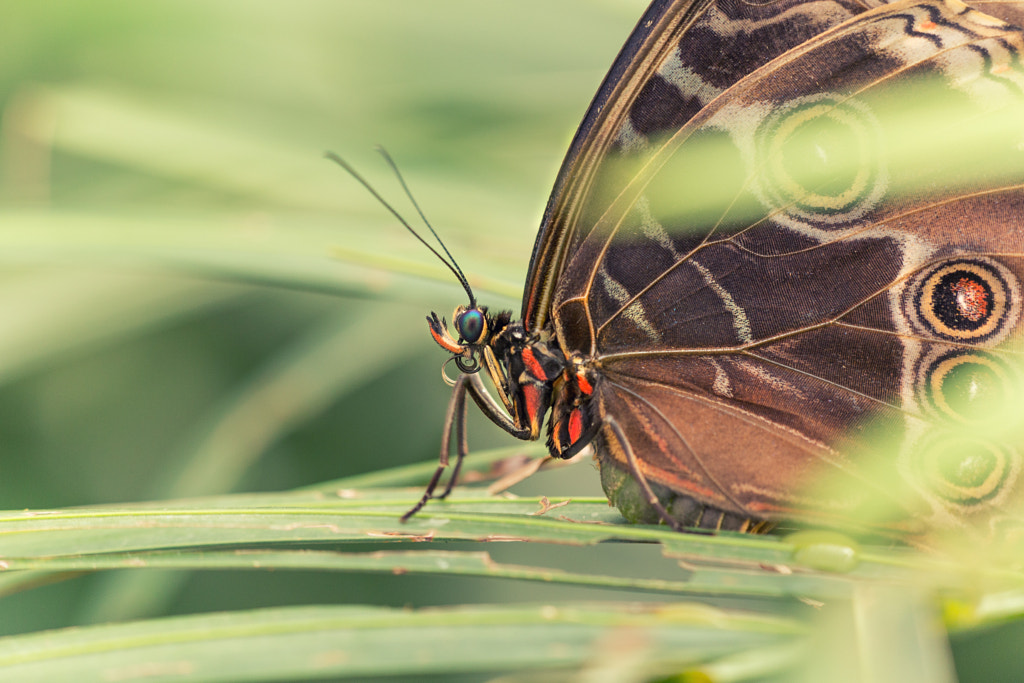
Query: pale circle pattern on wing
x=819, y=159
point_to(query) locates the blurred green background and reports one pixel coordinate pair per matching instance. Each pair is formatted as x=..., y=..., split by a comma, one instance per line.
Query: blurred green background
x=184, y=302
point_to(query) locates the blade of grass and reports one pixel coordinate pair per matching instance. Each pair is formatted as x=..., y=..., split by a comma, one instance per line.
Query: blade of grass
x=289, y=643
x=720, y=564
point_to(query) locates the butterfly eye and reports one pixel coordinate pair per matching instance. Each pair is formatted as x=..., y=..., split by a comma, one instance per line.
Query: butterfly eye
x=471, y=325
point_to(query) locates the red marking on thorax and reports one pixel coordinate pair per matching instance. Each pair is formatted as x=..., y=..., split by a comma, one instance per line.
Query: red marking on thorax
x=531, y=398
x=575, y=426
x=532, y=364
x=927, y=25
x=971, y=299
x=584, y=384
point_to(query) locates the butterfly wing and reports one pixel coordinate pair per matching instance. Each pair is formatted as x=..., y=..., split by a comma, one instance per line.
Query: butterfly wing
x=767, y=254
x=642, y=94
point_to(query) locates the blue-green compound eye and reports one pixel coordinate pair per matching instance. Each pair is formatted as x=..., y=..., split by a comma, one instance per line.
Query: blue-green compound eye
x=471, y=326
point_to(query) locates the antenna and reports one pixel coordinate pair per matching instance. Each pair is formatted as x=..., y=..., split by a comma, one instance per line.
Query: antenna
x=452, y=265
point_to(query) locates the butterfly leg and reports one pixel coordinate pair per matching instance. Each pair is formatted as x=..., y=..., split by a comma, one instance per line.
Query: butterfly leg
x=456, y=414
x=492, y=409
x=456, y=417
x=461, y=444
x=634, y=469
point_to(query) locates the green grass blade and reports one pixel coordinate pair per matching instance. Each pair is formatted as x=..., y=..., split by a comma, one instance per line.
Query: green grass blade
x=292, y=643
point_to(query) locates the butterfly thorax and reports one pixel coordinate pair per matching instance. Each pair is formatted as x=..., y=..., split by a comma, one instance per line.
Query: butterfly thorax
x=537, y=375
x=529, y=365
x=530, y=373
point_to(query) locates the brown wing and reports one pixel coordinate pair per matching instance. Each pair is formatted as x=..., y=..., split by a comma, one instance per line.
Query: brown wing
x=639, y=96
x=827, y=247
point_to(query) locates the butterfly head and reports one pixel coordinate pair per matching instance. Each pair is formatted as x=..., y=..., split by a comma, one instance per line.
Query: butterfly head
x=471, y=324
x=475, y=329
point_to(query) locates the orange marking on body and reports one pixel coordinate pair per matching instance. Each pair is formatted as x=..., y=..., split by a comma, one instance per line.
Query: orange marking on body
x=557, y=442
x=927, y=25
x=575, y=426
x=445, y=344
x=532, y=364
x=1000, y=68
x=585, y=386
x=693, y=488
x=756, y=506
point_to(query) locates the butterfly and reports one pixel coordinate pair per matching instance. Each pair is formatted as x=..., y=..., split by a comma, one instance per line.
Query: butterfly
x=782, y=228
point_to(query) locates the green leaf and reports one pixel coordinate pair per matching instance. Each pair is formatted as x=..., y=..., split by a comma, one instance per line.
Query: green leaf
x=343, y=641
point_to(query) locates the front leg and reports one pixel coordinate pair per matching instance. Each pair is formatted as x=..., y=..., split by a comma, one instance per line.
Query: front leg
x=456, y=417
